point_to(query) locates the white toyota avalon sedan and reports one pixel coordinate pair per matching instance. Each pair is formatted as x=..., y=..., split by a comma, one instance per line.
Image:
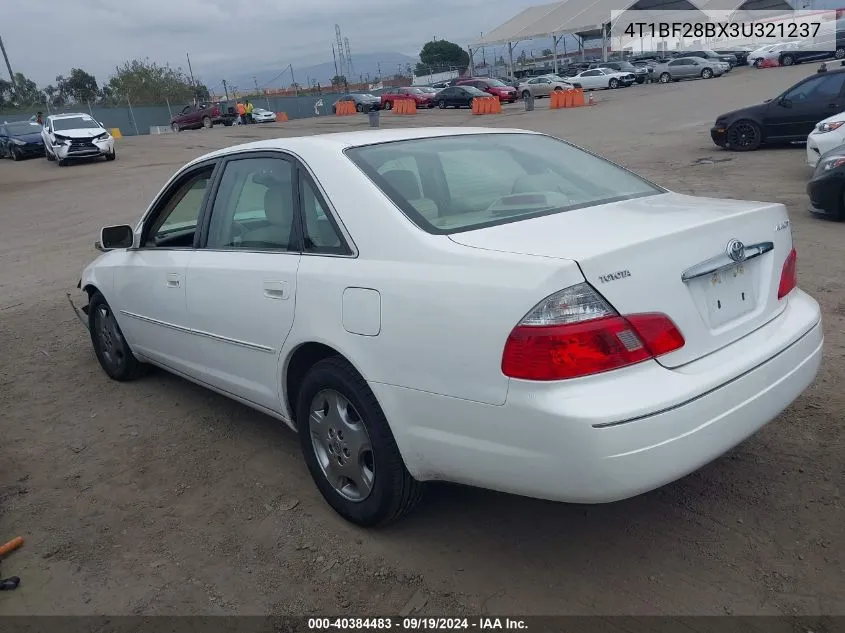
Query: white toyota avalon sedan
x=491, y=307
x=69, y=136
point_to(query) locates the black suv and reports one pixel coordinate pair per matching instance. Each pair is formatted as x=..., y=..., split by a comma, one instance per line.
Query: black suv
x=740, y=54
x=827, y=47
x=709, y=55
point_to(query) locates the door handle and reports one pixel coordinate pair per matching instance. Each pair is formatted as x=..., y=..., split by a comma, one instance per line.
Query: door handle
x=276, y=290
x=174, y=280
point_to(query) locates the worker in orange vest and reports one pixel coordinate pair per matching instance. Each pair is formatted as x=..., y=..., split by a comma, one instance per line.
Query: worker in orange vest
x=241, y=113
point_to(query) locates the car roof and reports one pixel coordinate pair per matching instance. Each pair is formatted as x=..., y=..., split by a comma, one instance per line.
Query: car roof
x=340, y=141
x=70, y=115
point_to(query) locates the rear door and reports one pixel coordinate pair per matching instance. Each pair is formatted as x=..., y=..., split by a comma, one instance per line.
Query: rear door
x=242, y=281
x=794, y=115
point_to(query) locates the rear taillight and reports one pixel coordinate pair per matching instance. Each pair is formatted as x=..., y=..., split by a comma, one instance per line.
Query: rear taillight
x=789, y=275
x=575, y=332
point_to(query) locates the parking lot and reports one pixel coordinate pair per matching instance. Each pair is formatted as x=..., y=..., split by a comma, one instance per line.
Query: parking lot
x=158, y=496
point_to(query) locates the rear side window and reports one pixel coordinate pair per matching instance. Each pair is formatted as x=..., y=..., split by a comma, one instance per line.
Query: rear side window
x=458, y=183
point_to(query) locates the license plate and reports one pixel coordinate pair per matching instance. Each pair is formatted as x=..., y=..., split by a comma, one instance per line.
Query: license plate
x=730, y=294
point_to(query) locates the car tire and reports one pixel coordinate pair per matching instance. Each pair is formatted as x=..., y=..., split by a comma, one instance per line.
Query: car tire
x=526, y=94
x=175, y=127
x=338, y=416
x=207, y=123
x=706, y=73
x=50, y=157
x=359, y=107
x=441, y=104
x=787, y=60
x=14, y=154
x=110, y=347
x=388, y=105
x=613, y=84
x=111, y=155
x=665, y=78
x=839, y=53
x=743, y=136
x=758, y=63
x=62, y=162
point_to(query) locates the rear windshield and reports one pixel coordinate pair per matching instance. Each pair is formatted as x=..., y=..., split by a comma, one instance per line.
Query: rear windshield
x=459, y=183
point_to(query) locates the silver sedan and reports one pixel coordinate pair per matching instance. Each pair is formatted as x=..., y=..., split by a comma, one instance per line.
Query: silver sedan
x=687, y=68
x=542, y=86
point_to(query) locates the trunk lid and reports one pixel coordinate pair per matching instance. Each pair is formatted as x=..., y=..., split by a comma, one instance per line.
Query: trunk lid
x=636, y=254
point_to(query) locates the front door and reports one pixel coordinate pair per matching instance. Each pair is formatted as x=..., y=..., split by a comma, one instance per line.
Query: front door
x=150, y=285
x=242, y=280
x=794, y=115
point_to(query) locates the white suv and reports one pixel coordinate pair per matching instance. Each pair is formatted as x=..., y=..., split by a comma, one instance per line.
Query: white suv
x=68, y=136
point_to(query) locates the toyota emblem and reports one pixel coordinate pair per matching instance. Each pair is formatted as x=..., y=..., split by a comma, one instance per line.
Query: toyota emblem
x=736, y=250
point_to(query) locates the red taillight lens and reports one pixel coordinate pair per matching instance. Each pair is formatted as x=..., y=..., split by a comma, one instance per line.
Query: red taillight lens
x=558, y=352
x=789, y=275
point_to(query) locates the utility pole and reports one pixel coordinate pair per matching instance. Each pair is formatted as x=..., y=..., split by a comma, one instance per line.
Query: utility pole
x=226, y=89
x=191, y=70
x=255, y=81
x=8, y=65
x=293, y=81
x=334, y=57
x=379, y=69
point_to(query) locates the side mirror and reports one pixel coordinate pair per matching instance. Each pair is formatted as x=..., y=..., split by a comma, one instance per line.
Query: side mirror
x=102, y=125
x=112, y=237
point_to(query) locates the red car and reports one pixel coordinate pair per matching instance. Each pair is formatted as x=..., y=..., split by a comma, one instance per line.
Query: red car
x=423, y=98
x=491, y=86
x=194, y=117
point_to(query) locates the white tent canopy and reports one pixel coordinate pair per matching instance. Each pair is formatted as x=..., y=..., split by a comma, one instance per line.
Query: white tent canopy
x=586, y=17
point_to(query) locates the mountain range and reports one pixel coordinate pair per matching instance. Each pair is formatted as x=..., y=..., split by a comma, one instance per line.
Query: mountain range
x=363, y=65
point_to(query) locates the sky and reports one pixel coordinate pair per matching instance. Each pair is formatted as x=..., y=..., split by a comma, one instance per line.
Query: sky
x=226, y=36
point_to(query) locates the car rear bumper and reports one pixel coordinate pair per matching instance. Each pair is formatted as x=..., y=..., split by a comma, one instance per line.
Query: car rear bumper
x=606, y=438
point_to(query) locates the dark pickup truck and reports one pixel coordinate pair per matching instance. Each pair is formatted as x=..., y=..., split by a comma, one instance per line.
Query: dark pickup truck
x=194, y=117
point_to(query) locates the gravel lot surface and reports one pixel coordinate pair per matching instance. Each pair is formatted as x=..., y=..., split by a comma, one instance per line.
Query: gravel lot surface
x=159, y=497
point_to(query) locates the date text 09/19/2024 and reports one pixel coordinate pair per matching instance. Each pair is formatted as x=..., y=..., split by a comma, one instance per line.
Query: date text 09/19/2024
x=416, y=624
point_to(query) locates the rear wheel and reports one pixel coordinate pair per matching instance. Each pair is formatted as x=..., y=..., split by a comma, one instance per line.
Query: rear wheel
x=744, y=136
x=706, y=73
x=349, y=449
x=840, y=53
x=359, y=108
x=175, y=127
x=388, y=105
x=112, y=350
x=441, y=104
x=665, y=78
x=787, y=60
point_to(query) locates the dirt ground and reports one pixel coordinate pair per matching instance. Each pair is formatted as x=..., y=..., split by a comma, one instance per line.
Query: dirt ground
x=159, y=497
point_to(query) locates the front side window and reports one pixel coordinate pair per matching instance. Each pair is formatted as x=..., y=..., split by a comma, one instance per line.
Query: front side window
x=818, y=87
x=253, y=208
x=457, y=183
x=175, y=223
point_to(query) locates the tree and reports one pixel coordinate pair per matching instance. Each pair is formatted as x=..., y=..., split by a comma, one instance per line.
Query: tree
x=79, y=86
x=338, y=80
x=146, y=83
x=547, y=52
x=440, y=56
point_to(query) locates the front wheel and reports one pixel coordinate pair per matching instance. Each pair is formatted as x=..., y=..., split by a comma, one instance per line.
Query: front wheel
x=111, y=155
x=388, y=105
x=758, y=63
x=359, y=108
x=665, y=78
x=50, y=157
x=744, y=136
x=613, y=84
x=15, y=154
x=840, y=53
x=112, y=350
x=349, y=449
x=175, y=127
x=787, y=60
x=706, y=73
x=207, y=123
x=441, y=104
